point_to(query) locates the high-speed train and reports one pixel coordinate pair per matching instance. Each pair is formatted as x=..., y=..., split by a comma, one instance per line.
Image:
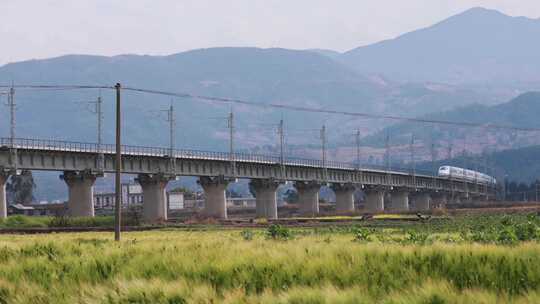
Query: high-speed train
x=465, y=174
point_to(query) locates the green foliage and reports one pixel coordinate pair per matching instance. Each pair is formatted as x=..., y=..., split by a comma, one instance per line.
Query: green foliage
x=527, y=231
x=291, y=196
x=504, y=230
x=247, y=234
x=362, y=234
x=20, y=188
x=98, y=221
x=213, y=266
x=278, y=232
x=20, y=221
x=507, y=236
x=416, y=237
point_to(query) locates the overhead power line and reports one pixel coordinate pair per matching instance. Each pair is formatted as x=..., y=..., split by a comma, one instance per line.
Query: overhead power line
x=57, y=87
x=326, y=111
x=281, y=106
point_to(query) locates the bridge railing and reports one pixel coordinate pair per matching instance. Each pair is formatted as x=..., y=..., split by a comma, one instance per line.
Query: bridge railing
x=73, y=146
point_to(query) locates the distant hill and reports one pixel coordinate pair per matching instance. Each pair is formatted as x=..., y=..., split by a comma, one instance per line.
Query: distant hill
x=521, y=111
x=261, y=75
x=281, y=76
x=476, y=46
x=519, y=165
x=328, y=53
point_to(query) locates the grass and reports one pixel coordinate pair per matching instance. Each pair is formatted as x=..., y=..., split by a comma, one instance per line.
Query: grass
x=420, y=264
x=20, y=221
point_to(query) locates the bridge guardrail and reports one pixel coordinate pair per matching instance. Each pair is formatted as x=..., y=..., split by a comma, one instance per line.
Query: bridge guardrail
x=73, y=146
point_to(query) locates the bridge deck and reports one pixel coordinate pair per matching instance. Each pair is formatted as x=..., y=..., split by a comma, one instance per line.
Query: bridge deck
x=38, y=154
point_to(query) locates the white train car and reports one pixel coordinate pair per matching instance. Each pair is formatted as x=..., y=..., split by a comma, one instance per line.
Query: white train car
x=466, y=175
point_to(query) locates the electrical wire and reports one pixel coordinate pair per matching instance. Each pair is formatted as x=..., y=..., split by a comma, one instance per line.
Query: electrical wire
x=279, y=106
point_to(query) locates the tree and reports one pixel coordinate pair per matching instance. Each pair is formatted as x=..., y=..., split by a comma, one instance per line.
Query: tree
x=232, y=193
x=252, y=190
x=291, y=196
x=20, y=188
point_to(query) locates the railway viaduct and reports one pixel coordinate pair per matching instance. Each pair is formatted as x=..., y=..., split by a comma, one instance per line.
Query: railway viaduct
x=83, y=163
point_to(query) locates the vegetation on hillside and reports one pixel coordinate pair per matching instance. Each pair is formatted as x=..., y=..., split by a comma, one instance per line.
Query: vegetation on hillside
x=519, y=166
x=518, y=112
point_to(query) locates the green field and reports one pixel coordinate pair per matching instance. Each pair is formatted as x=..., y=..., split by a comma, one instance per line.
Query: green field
x=465, y=260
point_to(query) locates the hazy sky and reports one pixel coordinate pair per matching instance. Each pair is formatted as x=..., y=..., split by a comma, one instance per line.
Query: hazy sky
x=46, y=28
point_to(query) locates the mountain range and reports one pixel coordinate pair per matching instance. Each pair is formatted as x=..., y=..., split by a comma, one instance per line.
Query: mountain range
x=476, y=46
x=300, y=78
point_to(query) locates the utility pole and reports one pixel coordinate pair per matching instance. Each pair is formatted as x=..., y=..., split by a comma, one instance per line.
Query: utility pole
x=536, y=190
x=171, y=119
x=434, y=170
x=486, y=168
x=449, y=157
x=118, y=186
x=323, y=146
x=281, y=134
x=413, y=161
x=12, y=112
x=358, y=150
x=230, y=125
x=387, y=151
x=99, y=114
x=388, y=164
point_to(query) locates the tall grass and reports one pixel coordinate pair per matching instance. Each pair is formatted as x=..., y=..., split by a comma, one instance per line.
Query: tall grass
x=224, y=267
x=21, y=221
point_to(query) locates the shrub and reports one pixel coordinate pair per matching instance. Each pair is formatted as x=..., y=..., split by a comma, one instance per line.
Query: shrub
x=59, y=221
x=507, y=236
x=98, y=221
x=20, y=221
x=526, y=231
x=276, y=232
x=362, y=234
x=415, y=237
x=482, y=236
x=247, y=234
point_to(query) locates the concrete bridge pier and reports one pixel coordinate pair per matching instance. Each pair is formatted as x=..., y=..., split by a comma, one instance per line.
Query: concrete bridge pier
x=4, y=176
x=308, y=197
x=344, y=197
x=374, y=200
x=422, y=201
x=266, y=197
x=80, y=192
x=154, y=196
x=400, y=200
x=215, y=203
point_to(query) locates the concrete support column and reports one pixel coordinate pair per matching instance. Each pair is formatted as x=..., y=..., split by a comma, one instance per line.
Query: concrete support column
x=215, y=203
x=265, y=197
x=80, y=192
x=154, y=196
x=422, y=201
x=400, y=200
x=374, y=201
x=3, y=201
x=308, y=197
x=344, y=197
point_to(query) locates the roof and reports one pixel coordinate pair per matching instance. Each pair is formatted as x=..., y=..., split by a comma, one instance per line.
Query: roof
x=21, y=207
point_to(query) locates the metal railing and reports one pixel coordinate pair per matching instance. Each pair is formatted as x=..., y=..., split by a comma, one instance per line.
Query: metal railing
x=73, y=146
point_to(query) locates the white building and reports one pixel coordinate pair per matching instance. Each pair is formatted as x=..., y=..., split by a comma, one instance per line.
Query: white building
x=132, y=195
